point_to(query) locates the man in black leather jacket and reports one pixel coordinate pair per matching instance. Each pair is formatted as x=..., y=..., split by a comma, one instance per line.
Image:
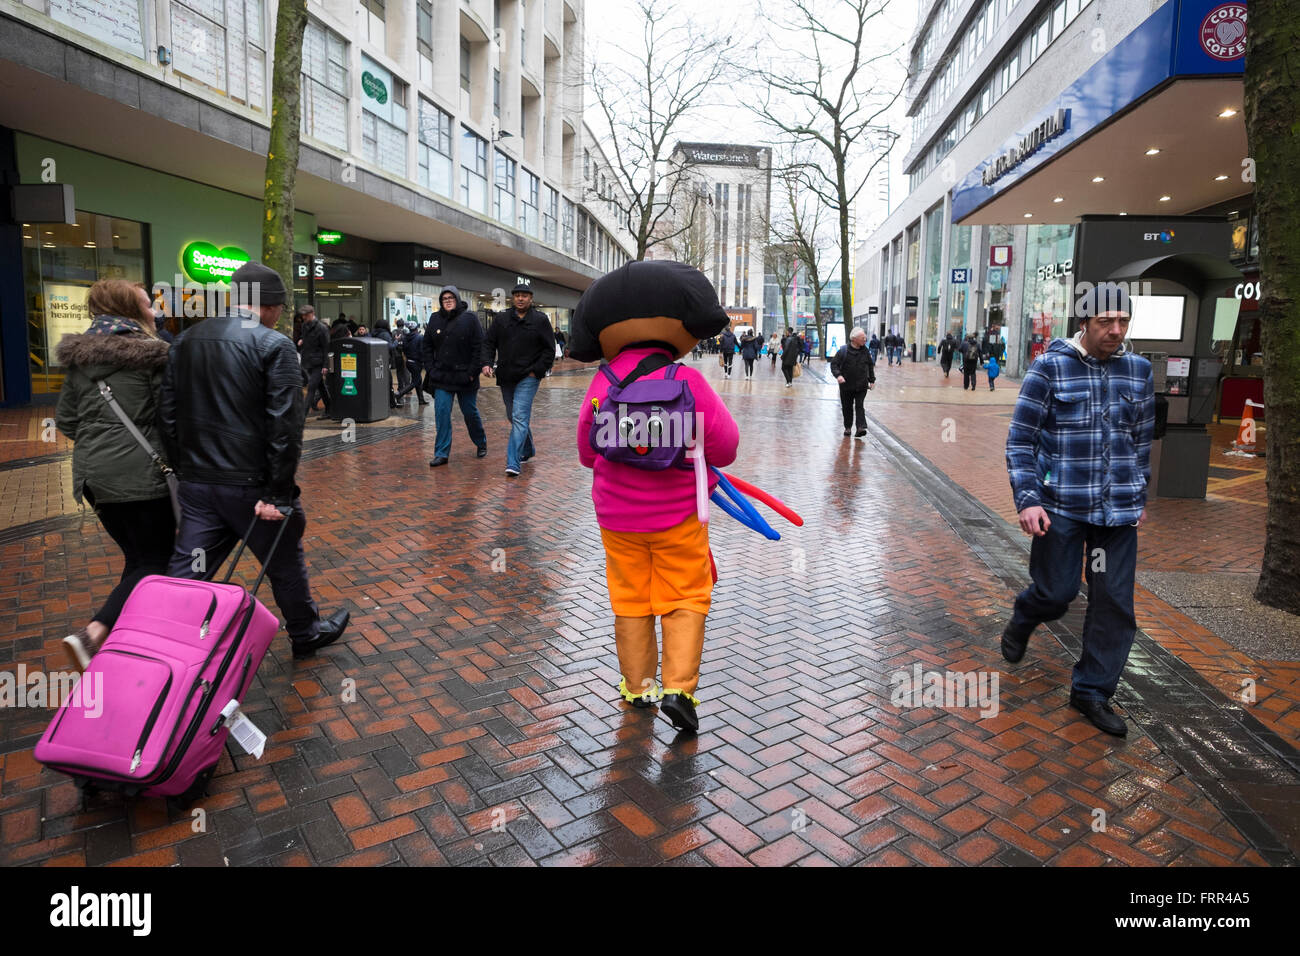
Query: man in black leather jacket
x=854, y=370
x=231, y=418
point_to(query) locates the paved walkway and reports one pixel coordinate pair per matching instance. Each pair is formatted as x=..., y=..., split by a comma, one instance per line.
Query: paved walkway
x=469, y=717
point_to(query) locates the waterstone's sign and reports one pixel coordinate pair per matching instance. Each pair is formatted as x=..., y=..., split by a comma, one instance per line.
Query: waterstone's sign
x=1030, y=143
x=721, y=155
x=203, y=262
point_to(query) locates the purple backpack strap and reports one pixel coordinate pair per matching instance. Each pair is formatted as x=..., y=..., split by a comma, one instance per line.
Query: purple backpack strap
x=672, y=370
x=605, y=370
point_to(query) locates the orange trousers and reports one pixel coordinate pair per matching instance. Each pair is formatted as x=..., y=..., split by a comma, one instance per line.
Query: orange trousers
x=663, y=574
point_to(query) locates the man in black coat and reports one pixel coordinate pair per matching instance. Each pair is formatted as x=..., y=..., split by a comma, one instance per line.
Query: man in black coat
x=231, y=415
x=313, y=352
x=452, y=344
x=854, y=370
x=414, y=349
x=728, y=346
x=521, y=343
x=970, y=361
x=946, y=349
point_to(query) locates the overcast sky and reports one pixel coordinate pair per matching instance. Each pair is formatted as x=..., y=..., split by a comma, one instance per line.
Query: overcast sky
x=722, y=119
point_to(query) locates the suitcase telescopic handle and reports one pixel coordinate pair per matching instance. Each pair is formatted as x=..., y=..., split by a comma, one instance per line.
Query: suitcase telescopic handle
x=284, y=510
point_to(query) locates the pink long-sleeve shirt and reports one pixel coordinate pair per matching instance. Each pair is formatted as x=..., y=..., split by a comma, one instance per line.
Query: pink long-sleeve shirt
x=637, y=500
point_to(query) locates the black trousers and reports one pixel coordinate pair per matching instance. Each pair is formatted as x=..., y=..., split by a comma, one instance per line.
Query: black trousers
x=851, y=403
x=727, y=359
x=146, y=533
x=213, y=517
x=968, y=377
x=316, y=383
x=749, y=366
x=788, y=372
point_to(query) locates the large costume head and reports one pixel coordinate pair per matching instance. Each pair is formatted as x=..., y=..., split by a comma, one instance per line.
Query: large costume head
x=655, y=301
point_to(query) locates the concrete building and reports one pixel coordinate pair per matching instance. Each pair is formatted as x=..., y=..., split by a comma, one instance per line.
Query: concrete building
x=443, y=143
x=729, y=187
x=985, y=77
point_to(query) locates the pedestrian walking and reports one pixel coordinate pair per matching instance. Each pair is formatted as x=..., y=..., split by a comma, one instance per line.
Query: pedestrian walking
x=856, y=373
x=453, y=345
x=418, y=381
x=874, y=347
x=773, y=349
x=400, y=369
x=522, y=346
x=790, y=353
x=313, y=353
x=994, y=370
x=946, y=349
x=640, y=318
x=970, y=361
x=750, y=346
x=231, y=418
x=727, y=343
x=807, y=349
x=111, y=471
x=1078, y=456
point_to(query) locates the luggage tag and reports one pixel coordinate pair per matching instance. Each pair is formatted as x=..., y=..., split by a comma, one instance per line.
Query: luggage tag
x=245, y=732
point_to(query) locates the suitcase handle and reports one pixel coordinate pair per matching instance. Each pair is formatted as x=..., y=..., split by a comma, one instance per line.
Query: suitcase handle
x=284, y=510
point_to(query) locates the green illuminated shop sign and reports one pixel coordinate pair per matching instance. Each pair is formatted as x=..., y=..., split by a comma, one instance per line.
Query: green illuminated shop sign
x=374, y=87
x=204, y=262
x=326, y=238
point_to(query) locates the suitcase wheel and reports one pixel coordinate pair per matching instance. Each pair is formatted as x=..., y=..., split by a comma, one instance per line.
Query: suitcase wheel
x=197, y=790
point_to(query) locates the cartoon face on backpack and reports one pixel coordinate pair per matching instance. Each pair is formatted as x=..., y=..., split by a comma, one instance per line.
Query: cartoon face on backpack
x=648, y=424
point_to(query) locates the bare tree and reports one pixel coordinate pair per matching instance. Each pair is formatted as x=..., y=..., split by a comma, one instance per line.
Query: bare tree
x=781, y=262
x=644, y=92
x=798, y=225
x=1273, y=132
x=686, y=236
x=282, y=153
x=824, y=95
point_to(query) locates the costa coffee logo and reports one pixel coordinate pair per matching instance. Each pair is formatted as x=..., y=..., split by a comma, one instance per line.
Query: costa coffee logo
x=1223, y=32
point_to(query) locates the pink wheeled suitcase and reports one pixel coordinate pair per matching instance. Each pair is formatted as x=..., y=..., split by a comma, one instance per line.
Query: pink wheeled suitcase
x=180, y=653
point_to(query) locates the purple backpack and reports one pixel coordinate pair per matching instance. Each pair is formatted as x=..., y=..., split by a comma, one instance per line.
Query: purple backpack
x=645, y=423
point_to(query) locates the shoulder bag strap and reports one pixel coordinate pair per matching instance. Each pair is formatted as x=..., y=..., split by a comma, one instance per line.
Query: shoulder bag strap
x=169, y=476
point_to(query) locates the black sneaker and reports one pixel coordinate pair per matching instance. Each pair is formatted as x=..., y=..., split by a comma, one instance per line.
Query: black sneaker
x=437, y=462
x=1013, y=648
x=1100, y=715
x=679, y=709
x=482, y=453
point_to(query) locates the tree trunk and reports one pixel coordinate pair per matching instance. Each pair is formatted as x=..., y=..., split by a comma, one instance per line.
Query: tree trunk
x=846, y=253
x=282, y=153
x=1273, y=132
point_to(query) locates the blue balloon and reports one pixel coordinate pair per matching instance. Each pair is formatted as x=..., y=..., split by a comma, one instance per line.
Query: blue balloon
x=742, y=511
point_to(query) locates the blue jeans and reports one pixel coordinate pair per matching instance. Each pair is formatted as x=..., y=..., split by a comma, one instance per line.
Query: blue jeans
x=1108, y=624
x=442, y=400
x=519, y=409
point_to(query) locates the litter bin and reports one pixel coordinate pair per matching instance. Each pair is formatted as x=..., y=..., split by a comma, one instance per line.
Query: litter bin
x=1184, y=462
x=929, y=352
x=359, y=370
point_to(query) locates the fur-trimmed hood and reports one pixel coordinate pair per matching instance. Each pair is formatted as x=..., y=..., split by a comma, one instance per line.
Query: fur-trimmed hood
x=130, y=351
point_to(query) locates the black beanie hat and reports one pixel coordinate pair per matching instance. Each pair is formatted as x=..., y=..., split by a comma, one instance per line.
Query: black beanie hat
x=267, y=288
x=643, y=289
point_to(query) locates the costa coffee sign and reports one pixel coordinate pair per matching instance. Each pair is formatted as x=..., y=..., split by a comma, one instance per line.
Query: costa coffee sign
x=1223, y=32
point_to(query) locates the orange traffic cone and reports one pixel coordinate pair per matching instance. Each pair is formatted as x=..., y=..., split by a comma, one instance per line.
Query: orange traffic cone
x=1245, y=443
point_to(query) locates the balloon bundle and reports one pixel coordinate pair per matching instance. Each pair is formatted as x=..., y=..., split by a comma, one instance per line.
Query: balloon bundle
x=738, y=506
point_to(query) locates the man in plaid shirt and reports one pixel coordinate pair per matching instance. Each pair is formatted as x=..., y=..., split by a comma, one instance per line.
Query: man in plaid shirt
x=1078, y=454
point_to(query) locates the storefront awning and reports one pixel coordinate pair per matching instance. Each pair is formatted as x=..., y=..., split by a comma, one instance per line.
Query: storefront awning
x=1154, y=128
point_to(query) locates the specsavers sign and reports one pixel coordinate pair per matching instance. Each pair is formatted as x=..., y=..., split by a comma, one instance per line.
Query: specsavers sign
x=376, y=82
x=204, y=262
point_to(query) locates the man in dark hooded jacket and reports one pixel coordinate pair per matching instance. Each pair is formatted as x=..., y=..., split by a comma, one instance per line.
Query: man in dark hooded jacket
x=522, y=344
x=728, y=346
x=452, y=344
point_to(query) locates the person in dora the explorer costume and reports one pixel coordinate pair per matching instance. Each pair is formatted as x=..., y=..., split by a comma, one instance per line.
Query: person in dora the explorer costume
x=640, y=318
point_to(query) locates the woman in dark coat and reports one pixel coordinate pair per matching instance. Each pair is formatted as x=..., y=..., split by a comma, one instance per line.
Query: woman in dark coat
x=750, y=346
x=453, y=343
x=110, y=471
x=790, y=353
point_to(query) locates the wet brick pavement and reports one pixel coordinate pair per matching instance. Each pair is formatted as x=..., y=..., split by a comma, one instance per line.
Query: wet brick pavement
x=469, y=717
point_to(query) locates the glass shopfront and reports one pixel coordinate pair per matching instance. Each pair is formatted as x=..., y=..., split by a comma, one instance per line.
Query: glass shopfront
x=913, y=273
x=1049, y=284
x=959, y=244
x=60, y=264
x=337, y=288
x=933, y=277
x=999, y=236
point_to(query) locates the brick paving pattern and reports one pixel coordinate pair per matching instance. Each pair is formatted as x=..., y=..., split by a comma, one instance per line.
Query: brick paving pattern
x=469, y=717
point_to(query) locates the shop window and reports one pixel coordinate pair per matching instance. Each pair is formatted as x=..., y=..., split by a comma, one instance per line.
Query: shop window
x=325, y=86
x=60, y=264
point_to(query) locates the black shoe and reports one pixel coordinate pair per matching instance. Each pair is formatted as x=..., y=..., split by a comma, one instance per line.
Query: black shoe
x=1100, y=715
x=437, y=461
x=524, y=458
x=330, y=630
x=679, y=709
x=848, y=432
x=861, y=434
x=640, y=703
x=482, y=453
x=1013, y=648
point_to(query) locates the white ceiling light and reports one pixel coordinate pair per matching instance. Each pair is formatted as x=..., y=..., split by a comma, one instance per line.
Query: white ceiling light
x=1098, y=179
x=1153, y=150
x=1228, y=112
x=1166, y=198
x=1029, y=215
x=1059, y=199
x=1221, y=177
